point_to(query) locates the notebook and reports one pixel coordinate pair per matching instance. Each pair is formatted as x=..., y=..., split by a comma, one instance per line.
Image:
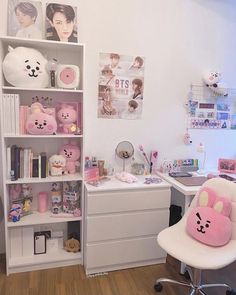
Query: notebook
x=192, y=181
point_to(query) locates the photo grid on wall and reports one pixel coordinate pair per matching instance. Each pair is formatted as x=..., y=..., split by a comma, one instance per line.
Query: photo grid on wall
x=120, y=86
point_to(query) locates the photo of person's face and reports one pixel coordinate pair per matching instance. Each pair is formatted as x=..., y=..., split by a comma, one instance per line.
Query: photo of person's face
x=63, y=27
x=24, y=19
x=114, y=62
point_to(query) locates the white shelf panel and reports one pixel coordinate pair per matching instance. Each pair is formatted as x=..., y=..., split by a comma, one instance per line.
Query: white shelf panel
x=45, y=43
x=72, y=177
x=41, y=89
x=58, y=256
x=41, y=218
x=43, y=136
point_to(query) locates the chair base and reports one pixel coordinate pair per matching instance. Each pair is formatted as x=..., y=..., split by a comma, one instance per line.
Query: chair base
x=195, y=284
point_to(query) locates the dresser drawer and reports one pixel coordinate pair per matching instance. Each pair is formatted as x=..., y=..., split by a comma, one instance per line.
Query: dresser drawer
x=123, y=252
x=117, y=226
x=127, y=200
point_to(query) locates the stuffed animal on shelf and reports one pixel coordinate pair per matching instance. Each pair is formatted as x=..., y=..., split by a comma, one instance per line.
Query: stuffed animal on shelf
x=25, y=67
x=213, y=81
x=57, y=164
x=15, y=212
x=41, y=121
x=67, y=116
x=72, y=245
x=71, y=152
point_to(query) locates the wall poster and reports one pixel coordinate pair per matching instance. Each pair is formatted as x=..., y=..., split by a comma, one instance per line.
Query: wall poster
x=120, y=86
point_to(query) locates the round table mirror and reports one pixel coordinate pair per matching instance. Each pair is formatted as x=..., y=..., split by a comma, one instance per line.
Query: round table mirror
x=124, y=151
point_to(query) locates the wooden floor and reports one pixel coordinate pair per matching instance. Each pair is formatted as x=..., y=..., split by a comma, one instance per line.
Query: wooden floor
x=73, y=281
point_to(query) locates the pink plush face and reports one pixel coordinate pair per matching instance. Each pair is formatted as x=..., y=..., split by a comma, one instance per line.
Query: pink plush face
x=41, y=123
x=70, y=152
x=67, y=115
x=209, y=222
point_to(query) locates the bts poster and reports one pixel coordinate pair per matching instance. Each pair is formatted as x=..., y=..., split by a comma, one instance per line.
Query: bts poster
x=120, y=86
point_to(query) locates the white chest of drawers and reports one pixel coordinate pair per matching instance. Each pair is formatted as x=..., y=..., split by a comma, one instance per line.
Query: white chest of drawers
x=122, y=223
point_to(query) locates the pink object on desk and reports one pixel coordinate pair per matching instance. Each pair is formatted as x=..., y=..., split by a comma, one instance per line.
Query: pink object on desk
x=42, y=202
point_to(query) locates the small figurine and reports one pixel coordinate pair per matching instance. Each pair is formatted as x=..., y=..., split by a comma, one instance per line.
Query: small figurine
x=57, y=165
x=15, y=212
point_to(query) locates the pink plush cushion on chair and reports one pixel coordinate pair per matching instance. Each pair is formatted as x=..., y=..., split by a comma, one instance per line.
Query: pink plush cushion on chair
x=209, y=222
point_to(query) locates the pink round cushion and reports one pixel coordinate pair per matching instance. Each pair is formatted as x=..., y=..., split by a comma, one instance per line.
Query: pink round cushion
x=209, y=227
x=209, y=222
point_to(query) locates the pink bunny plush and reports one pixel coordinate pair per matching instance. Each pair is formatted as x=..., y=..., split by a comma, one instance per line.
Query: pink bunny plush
x=67, y=117
x=72, y=154
x=40, y=121
x=209, y=222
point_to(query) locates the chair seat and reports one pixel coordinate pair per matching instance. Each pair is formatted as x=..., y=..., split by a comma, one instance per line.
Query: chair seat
x=192, y=252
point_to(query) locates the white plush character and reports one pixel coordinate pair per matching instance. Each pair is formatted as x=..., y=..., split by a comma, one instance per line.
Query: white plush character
x=25, y=67
x=212, y=80
x=57, y=164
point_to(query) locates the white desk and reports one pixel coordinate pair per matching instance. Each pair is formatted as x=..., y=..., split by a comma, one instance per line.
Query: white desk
x=188, y=191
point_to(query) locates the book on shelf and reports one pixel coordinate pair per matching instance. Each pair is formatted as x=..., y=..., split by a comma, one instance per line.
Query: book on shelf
x=10, y=113
x=22, y=163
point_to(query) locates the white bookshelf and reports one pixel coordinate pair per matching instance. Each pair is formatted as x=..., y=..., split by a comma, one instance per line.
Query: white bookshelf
x=65, y=53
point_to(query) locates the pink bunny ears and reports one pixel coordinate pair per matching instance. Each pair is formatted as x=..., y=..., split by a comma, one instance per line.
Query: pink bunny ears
x=208, y=198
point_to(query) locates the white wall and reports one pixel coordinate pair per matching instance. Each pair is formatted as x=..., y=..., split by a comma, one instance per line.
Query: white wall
x=180, y=40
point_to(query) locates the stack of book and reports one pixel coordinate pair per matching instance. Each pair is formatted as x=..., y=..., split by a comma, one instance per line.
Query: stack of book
x=22, y=163
x=11, y=114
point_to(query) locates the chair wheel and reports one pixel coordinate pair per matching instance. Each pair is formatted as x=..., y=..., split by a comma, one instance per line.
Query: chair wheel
x=231, y=292
x=186, y=275
x=158, y=287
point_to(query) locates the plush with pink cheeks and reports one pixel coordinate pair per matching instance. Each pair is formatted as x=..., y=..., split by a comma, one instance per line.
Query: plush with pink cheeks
x=67, y=116
x=40, y=121
x=72, y=154
x=209, y=222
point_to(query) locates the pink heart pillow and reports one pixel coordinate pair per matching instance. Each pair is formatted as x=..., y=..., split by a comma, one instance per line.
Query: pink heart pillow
x=209, y=222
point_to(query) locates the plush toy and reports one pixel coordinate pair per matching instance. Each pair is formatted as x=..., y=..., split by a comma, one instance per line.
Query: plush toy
x=72, y=245
x=40, y=121
x=209, y=222
x=212, y=80
x=15, y=212
x=71, y=152
x=25, y=67
x=67, y=117
x=57, y=164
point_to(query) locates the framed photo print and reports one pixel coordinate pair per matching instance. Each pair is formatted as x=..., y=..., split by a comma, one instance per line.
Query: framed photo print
x=25, y=19
x=61, y=22
x=227, y=165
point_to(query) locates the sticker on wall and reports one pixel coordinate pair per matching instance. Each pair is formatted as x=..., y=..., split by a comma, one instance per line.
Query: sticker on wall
x=120, y=86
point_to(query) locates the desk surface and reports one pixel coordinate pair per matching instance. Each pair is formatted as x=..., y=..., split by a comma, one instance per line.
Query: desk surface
x=114, y=184
x=186, y=190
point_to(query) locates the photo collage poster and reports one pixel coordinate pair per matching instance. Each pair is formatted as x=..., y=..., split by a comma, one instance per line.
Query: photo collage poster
x=120, y=86
x=220, y=114
x=25, y=20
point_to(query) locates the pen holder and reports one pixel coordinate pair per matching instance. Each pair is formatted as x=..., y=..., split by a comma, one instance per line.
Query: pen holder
x=42, y=202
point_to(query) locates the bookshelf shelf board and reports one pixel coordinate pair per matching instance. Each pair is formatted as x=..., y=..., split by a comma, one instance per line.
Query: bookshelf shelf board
x=43, y=136
x=41, y=89
x=72, y=177
x=58, y=256
x=9, y=40
x=41, y=218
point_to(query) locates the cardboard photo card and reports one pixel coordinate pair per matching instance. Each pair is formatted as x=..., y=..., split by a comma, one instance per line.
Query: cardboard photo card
x=61, y=22
x=25, y=19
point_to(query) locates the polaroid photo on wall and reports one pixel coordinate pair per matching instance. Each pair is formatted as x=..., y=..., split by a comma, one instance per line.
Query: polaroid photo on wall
x=25, y=19
x=61, y=22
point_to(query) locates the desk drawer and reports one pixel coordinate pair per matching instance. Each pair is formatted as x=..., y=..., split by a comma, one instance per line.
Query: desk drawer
x=123, y=252
x=117, y=226
x=121, y=201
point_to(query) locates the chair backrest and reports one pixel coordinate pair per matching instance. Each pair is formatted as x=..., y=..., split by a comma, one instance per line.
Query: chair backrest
x=225, y=189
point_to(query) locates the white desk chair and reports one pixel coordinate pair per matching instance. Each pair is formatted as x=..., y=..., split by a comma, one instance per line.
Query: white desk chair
x=197, y=256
